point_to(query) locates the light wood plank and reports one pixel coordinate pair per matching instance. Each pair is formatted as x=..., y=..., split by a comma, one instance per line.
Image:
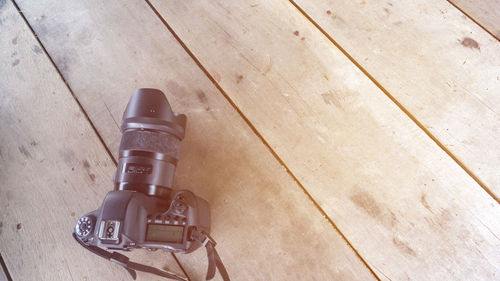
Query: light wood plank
x=265, y=226
x=409, y=209
x=484, y=12
x=54, y=168
x=442, y=67
x=3, y=273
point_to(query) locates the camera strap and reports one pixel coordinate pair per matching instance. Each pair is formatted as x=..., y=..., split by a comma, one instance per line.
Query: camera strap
x=124, y=261
x=214, y=260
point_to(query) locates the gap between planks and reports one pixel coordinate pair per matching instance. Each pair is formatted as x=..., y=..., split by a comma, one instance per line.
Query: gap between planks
x=473, y=20
x=256, y=132
x=4, y=271
x=397, y=103
x=64, y=80
x=86, y=117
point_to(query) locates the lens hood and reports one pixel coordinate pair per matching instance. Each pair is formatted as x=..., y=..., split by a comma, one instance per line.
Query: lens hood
x=149, y=109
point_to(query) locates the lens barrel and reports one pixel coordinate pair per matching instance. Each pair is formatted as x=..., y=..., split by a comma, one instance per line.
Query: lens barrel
x=150, y=144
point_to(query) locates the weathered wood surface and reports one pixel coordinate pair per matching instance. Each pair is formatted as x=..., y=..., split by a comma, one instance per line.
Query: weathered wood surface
x=404, y=204
x=435, y=62
x=3, y=273
x=54, y=168
x=265, y=225
x=484, y=12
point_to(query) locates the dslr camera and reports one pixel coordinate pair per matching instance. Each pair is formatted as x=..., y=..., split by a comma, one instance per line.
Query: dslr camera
x=143, y=211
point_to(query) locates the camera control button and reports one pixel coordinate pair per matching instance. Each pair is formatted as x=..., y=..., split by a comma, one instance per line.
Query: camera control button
x=180, y=207
x=84, y=226
x=176, y=220
x=158, y=219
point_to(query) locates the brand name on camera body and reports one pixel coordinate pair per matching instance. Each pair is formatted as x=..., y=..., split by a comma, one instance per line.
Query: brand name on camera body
x=135, y=168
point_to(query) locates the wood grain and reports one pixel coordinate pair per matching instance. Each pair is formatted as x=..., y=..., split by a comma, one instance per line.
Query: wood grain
x=54, y=168
x=265, y=226
x=3, y=274
x=484, y=12
x=409, y=210
x=439, y=65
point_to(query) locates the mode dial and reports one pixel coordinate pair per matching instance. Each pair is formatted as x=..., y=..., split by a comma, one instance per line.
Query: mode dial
x=84, y=227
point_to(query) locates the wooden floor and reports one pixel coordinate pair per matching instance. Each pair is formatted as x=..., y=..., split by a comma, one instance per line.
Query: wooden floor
x=334, y=140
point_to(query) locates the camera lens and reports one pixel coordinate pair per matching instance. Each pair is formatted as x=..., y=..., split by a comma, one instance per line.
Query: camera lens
x=150, y=144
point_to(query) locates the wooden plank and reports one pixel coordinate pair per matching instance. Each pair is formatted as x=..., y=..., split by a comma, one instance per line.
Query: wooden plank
x=408, y=209
x=54, y=168
x=484, y=12
x=439, y=65
x=3, y=276
x=3, y=271
x=265, y=226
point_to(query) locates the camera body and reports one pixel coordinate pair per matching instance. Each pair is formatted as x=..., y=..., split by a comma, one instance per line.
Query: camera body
x=144, y=211
x=128, y=219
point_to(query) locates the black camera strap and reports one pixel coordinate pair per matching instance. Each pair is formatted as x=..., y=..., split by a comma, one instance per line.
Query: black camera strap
x=214, y=260
x=124, y=261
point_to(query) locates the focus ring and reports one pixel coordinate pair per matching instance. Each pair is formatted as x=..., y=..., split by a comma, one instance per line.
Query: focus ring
x=151, y=141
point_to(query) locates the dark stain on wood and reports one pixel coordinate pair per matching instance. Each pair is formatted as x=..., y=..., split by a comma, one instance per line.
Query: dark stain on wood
x=14, y=40
x=367, y=203
x=331, y=98
x=1, y=223
x=19, y=226
x=269, y=66
x=470, y=43
x=394, y=219
x=404, y=247
x=328, y=12
x=337, y=18
x=441, y=221
x=72, y=214
x=296, y=33
x=25, y=152
x=239, y=78
x=68, y=155
x=34, y=143
x=201, y=96
x=387, y=11
x=424, y=202
x=444, y=219
x=37, y=49
x=177, y=90
x=62, y=64
x=15, y=62
x=86, y=165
